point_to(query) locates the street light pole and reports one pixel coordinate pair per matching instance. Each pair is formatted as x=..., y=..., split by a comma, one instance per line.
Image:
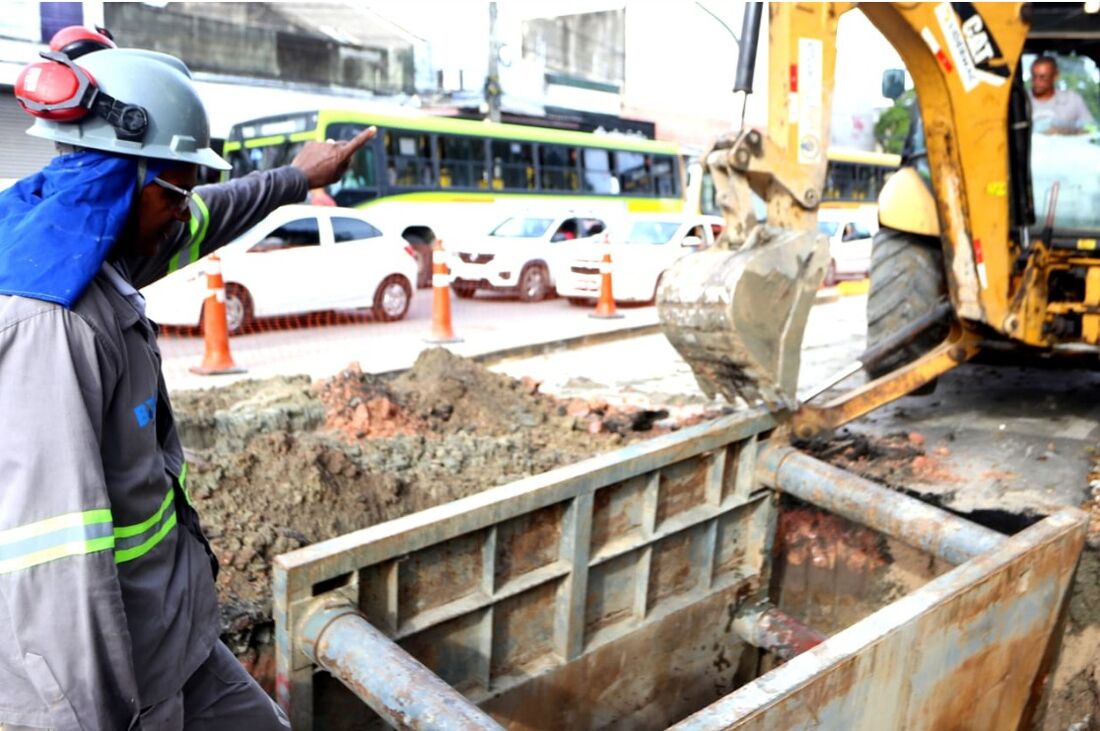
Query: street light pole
x=492, y=81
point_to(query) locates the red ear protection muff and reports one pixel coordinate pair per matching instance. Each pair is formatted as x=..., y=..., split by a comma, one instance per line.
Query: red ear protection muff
x=59, y=90
x=76, y=40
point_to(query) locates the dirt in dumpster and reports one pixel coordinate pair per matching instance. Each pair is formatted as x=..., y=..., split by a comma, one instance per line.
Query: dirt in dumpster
x=283, y=463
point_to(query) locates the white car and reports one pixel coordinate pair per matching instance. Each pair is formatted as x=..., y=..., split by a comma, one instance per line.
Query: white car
x=850, y=238
x=642, y=248
x=299, y=259
x=523, y=254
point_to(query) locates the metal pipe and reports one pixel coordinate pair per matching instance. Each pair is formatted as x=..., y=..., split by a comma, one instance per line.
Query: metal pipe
x=746, y=47
x=389, y=680
x=769, y=628
x=910, y=521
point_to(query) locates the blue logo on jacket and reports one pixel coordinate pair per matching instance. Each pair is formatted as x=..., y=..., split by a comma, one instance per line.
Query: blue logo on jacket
x=146, y=411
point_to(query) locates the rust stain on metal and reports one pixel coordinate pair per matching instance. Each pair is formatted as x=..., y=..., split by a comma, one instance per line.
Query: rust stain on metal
x=683, y=487
x=610, y=597
x=787, y=637
x=617, y=512
x=440, y=574
x=620, y=685
x=523, y=631
x=528, y=543
x=672, y=569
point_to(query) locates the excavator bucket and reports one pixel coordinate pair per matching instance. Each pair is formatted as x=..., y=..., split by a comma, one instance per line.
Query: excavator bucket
x=737, y=316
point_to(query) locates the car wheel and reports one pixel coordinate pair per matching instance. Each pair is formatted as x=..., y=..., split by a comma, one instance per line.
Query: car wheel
x=238, y=309
x=464, y=291
x=534, y=283
x=391, y=300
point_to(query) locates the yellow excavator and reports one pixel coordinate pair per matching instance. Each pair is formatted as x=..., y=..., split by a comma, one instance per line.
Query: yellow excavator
x=988, y=233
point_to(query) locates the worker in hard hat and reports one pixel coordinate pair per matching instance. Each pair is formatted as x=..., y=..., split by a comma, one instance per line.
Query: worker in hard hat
x=108, y=611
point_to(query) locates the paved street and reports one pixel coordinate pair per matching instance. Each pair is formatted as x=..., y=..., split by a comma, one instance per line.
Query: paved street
x=484, y=324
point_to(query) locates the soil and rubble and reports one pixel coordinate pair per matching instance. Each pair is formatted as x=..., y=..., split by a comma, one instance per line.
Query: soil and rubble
x=282, y=463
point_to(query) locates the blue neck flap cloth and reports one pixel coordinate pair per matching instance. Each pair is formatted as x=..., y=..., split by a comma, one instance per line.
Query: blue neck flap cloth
x=58, y=225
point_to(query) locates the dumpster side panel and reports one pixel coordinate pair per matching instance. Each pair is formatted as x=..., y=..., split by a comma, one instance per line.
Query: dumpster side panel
x=968, y=650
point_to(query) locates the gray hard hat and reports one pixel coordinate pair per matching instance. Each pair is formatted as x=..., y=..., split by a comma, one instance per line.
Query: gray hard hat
x=178, y=129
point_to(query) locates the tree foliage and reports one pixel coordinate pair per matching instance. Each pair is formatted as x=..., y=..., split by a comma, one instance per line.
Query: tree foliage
x=892, y=126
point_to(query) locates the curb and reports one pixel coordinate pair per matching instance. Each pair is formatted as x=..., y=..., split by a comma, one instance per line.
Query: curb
x=530, y=350
x=556, y=346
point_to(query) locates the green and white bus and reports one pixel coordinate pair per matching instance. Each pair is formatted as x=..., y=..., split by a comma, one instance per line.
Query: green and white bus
x=416, y=172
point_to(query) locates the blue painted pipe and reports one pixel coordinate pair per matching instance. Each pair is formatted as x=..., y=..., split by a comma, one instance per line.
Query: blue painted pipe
x=917, y=524
x=385, y=677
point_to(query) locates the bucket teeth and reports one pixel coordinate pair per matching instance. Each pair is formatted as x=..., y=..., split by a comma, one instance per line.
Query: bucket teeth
x=737, y=317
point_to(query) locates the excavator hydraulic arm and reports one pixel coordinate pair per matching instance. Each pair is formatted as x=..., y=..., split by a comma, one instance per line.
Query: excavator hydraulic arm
x=737, y=312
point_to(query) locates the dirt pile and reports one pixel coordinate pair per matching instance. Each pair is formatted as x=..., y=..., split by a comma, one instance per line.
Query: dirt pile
x=895, y=459
x=283, y=463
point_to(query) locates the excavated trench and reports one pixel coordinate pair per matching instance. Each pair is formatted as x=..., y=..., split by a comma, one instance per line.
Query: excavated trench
x=282, y=463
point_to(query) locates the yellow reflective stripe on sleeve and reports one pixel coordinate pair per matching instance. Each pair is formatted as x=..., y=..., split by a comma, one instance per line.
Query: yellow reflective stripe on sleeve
x=71, y=534
x=128, y=531
x=200, y=227
x=129, y=554
x=64, y=550
x=52, y=525
x=76, y=534
x=183, y=485
x=197, y=228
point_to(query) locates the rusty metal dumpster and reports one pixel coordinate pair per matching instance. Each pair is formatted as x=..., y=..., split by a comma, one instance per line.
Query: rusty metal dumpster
x=635, y=590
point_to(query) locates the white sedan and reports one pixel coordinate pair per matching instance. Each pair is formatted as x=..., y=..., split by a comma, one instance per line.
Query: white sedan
x=641, y=249
x=299, y=259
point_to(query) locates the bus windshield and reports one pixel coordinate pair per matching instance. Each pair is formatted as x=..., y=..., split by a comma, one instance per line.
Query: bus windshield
x=523, y=228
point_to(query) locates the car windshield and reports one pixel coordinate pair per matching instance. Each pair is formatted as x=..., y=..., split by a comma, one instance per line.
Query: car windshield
x=827, y=227
x=652, y=232
x=523, y=228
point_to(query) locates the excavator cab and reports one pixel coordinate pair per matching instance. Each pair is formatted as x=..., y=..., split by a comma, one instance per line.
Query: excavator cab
x=988, y=233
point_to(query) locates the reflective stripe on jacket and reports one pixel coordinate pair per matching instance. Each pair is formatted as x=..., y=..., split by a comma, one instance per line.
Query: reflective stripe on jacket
x=107, y=600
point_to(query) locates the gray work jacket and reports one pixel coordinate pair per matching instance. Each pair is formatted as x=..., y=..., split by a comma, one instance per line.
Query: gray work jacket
x=107, y=599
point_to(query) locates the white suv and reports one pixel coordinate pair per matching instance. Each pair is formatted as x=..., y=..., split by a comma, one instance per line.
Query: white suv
x=523, y=254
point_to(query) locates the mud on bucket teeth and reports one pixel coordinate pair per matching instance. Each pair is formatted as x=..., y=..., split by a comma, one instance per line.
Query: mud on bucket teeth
x=737, y=317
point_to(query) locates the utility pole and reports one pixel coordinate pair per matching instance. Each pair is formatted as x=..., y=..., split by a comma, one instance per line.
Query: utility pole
x=492, y=81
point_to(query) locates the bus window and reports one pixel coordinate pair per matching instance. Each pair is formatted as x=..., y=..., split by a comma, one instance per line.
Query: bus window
x=632, y=170
x=558, y=166
x=513, y=165
x=408, y=159
x=266, y=157
x=462, y=162
x=664, y=176
x=597, y=171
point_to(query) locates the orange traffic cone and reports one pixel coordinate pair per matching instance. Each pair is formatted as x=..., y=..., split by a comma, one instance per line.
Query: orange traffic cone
x=605, y=305
x=215, y=329
x=442, y=330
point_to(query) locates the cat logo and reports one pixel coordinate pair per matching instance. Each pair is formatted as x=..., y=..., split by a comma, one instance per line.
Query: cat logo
x=977, y=40
x=973, y=48
x=981, y=43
